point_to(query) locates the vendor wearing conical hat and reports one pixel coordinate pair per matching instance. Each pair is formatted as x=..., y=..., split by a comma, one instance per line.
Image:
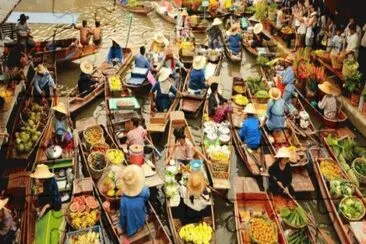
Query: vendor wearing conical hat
x=48, y=193
x=276, y=108
x=86, y=83
x=197, y=76
x=196, y=198
x=134, y=199
x=257, y=37
x=115, y=53
x=43, y=82
x=234, y=38
x=161, y=102
x=160, y=43
x=215, y=37
x=329, y=103
x=7, y=224
x=171, y=61
x=62, y=127
x=250, y=132
x=280, y=173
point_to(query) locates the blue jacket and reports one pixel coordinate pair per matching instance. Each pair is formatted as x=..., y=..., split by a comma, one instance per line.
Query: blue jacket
x=197, y=80
x=251, y=133
x=162, y=100
x=115, y=53
x=133, y=211
x=276, y=114
x=288, y=76
x=50, y=195
x=141, y=62
x=235, y=43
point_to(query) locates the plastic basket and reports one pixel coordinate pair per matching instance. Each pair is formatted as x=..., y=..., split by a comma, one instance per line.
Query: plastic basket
x=95, y=228
x=360, y=177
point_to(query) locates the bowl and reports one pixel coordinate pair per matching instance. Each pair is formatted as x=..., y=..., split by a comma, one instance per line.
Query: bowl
x=346, y=202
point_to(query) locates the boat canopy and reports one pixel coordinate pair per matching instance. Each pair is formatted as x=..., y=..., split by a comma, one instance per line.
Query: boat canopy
x=45, y=17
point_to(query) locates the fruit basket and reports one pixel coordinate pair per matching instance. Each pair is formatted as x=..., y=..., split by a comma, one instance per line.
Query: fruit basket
x=97, y=163
x=359, y=167
x=82, y=212
x=352, y=208
x=92, y=235
x=101, y=147
x=109, y=184
x=93, y=135
x=115, y=156
x=262, y=230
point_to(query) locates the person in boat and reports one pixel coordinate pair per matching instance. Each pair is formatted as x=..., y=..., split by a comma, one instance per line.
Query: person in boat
x=17, y=57
x=137, y=134
x=353, y=43
x=215, y=37
x=197, y=77
x=257, y=37
x=133, y=200
x=286, y=81
x=172, y=62
x=234, y=39
x=49, y=197
x=184, y=150
x=163, y=87
x=328, y=103
x=86, y=83
x=196, y=199
x=115, y=53
x=250, y=132
x=97, y=33
x=141, y=60
x=157, y=50
x=24, y=35
x=218, y=106
x=85, y=32
x=63, y=133
x=280, y=173
x=7, y=224
x=276, y=108
x=183, y=26
x=43, y=82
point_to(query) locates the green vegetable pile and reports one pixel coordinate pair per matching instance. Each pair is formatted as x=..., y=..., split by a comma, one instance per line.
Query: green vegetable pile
x=298, y=237
x=295, y=217
x=262, y=94
x=262, y=60
x=255, y=84
x=360, y=167
x=352, y=208
x=341, y=188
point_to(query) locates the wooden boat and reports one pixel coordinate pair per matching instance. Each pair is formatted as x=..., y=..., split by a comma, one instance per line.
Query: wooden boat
x=142, y=8
x=192, y=103
x=153, y=231
x=255, y=202
x=77, y=101
x=231, y=57
x=169, y=17
x=177, y=120
x=330, y=123
x=342, y=226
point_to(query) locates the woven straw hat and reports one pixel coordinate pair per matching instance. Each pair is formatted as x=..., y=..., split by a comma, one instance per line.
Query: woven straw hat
x=274, y=93
x=329, y=89
x=283, y=152
x=250, y=109
x=3, y=202
x=42, y=172
x=196, y=184
x=217, y=21
x=235, y=29
x=41, y=69
x=86, y=67
x=164, y=74
x=258, y=28
x=133, y=180
x=60, y=107
x=199, y=62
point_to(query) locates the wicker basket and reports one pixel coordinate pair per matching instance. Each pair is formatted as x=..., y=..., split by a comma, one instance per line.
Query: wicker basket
x=115, y=168
x=99, y=130
x=220, y=166
x=266, y=219
x=360, y=177
x=352, y=219
x=95, y=228
x=96, y=173
x=102, y=145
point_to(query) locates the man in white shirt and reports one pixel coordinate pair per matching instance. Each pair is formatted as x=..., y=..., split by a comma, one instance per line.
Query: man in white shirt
x=352, y=42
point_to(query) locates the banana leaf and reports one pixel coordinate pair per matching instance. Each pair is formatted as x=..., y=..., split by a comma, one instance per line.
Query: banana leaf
x=49, y=227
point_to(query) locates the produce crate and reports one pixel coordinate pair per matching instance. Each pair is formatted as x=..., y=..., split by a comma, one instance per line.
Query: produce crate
x=95, y=228
x=220, y=166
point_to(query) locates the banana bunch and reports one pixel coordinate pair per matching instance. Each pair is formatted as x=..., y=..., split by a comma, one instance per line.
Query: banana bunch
x=197, y=234
x=115, y=83
x=90, y=238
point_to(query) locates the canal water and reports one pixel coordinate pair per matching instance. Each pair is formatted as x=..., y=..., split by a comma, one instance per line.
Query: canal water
x=114, y=21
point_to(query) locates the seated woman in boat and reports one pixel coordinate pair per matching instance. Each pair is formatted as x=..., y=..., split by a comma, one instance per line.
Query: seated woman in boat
x=250, y=131
x=137, y=134
x=287, y=76
x=197, y=77
x=280, y=173
x=258, y=36
x=43, y=82
x=7, y=224
x=141, y=60
x=234, y=39
x=184, y=150
x=115, y=53
x=215, y=37
x=157, y=50
x=183, y=26
x=172, y=62
x=218, y=106
x=196, y=199
x=48, y=194
x=163, y=88
x=62, y=128
x=329, y=103
x=86, y=83
x=276, y=108
x=134, y=199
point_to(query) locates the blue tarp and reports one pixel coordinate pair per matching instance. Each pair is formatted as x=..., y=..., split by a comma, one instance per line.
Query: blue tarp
x=45, y=18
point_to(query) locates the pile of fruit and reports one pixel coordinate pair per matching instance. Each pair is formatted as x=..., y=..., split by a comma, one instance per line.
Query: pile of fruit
x=262, y=230
x=30, y=133
x=239, y=89
x=352, y=208
x=6, y=94
x=287, y=30
x=298, y=236
x=100, y=147
x=115, y=156
x=97, y=161
x=218, y=153
x=84, y=212
x=115, y=83
x=110, y=182
x=330, y=170
x=197, y=234
x=263, y=94
x=93, y=135
x=341, y=188
x=240, y=100
x=294, y=217
x=91, y=237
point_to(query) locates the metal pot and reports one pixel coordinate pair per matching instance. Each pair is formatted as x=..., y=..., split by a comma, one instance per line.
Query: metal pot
x=54, y=152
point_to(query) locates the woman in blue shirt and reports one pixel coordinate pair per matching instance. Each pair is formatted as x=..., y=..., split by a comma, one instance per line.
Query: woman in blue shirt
x=276, y=108
x=197, y=76
x=133, y=209
x=62, y=127
x=234, y=39
x=250, y=132
x=115, y=54
x=43, y=82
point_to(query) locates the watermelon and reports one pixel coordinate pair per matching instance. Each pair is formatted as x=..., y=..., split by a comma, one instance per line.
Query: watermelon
x=74, y=207
x=93, y=204
x=82, y=208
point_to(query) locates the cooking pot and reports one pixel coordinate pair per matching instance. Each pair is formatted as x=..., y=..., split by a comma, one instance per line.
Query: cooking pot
x=54, y=152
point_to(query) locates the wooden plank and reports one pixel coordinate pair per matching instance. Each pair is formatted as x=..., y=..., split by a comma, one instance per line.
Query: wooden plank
x=301, y=181
x=221, y=183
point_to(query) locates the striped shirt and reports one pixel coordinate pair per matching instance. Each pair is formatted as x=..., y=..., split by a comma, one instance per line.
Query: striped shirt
x=329, y=104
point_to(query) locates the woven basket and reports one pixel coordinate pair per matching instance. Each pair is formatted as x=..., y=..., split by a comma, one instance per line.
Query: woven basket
x=114, y=168
x=103, y=145
x=99, y=130
x=352, y=219
x=360, y=177
x=68, y=217
x=95, y=228
x=267, y=219
x=220, y=166
x=96, y=173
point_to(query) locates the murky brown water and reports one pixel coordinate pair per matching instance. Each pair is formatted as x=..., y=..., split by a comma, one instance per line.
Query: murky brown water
x=114, y=23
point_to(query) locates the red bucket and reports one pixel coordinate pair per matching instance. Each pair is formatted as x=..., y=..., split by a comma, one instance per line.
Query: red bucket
x=136, y=154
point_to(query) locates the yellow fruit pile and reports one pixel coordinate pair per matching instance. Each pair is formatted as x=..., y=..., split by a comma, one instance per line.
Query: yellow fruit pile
x=219, y=156
x=330, y=170
x=263, y=230
x=6, y=94
x=115, y=156
x=115, y=83
x=84, y=219
x=196, y=234
x=239, y=89
x=240, y=100
x=287, y=30
x=90, y=238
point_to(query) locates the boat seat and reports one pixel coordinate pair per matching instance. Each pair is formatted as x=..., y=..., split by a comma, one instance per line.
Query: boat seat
x=146, y=230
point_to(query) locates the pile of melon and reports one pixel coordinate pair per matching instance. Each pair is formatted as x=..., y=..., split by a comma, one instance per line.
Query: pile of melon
x=83, y=212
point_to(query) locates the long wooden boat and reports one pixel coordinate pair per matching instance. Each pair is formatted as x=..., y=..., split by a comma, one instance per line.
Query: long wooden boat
x=142, y=8
x=346, y=233
x=255, y=202
x=231, y=57
x=153, y=231
x=163, y=13
x=77, y=101
x=254, y=51
x=177, y=120
x=192, y=103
